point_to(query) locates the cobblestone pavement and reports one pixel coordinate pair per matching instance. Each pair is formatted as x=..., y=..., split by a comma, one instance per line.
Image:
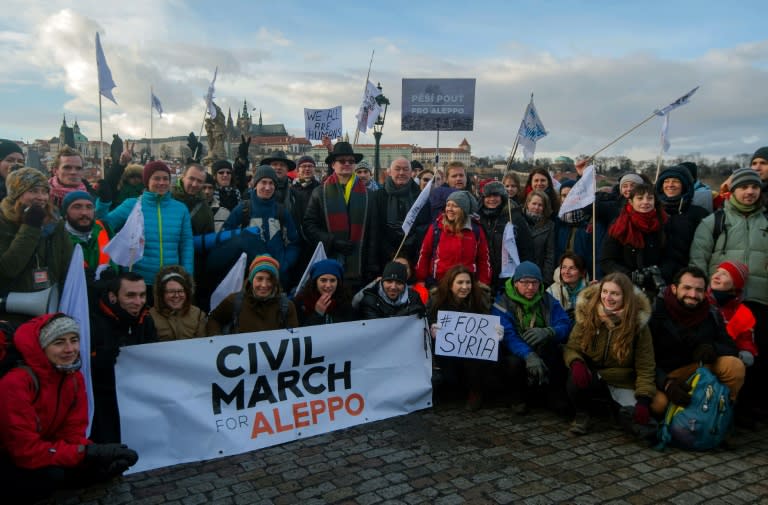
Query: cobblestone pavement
x=447, y=456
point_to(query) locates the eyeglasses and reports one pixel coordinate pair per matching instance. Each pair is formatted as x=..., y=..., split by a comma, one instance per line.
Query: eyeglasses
x=174, y=292
x=346, y=161
x=526, y=282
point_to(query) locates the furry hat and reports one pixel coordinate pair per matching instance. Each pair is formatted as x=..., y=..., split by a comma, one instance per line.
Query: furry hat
x=22, y=180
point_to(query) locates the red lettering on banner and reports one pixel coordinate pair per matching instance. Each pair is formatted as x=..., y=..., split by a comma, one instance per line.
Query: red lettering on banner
x=278, y=423
x=261, y=425
x=306, y=414
x=335, y=403
x=317, y=407
x=300, y=412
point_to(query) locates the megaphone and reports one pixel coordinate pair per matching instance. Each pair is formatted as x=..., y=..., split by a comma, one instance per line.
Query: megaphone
x=33, y=303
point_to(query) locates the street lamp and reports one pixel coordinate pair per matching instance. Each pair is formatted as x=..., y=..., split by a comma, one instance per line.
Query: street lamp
x=377, y=127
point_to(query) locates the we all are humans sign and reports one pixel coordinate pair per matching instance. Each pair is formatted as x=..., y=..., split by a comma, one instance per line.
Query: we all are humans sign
x=319, y=123
x=438, y=104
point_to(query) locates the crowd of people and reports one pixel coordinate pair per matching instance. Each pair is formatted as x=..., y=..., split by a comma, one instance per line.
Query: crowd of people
x=631, y=293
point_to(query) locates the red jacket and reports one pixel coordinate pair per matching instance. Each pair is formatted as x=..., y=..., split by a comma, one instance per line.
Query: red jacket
x=46, y=431
x=453, y=250
x=739, y=322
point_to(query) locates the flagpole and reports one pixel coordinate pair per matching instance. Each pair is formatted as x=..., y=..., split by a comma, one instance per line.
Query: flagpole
x=594, y=224
x=638, y=125
x=517, y=137
x=437, y=150
x=151, y=131
x=365, y=88
x=660, y=156
x=101, y=140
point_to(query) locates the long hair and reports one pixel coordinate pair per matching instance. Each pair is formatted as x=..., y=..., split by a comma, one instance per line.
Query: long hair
x=547, y=212
x=478, y=299
x=456, y=226
x=622, y=338
x=550, y=191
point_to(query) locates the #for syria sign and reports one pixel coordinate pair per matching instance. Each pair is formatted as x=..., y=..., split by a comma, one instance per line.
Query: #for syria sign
x=192, y=400
x=465, y=335
x=438, y=104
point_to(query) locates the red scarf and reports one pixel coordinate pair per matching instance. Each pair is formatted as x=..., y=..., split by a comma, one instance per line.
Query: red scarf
x=631, y=226
x=687, y=318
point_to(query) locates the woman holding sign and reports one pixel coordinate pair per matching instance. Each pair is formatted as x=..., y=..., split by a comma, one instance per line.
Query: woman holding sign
x=610, y=350
x=458, y=291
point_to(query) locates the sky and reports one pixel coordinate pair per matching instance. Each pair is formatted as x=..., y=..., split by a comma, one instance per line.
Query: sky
x=596, y=68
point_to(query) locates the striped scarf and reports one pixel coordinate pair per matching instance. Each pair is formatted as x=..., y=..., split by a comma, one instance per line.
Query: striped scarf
x=345, y=215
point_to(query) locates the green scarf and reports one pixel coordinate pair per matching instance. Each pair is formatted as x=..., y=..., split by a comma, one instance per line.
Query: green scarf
x=744, y=209
x=526, y=310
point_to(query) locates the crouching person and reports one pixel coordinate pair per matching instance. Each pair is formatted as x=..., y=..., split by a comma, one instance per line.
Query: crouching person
x=610, y=345
x=535, y=329
x=44, y=415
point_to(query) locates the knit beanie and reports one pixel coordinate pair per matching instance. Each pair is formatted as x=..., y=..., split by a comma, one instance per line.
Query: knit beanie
x=325, y=267
x=306, y=159
x=631, y=178
x=760, y=153
x=395, y=271
x=739, y=273
x=263, y=263
x=71, y=197
x=527, y=270
x=7, y=147
x=693, y=169
x=743, y=177
x=363, y=165
x=55, y=328
x=463, y=199
x=265, y=171
x=567, y=183
x=22, y=180
x=221, y=165
x=209, y=179
x=152, y=167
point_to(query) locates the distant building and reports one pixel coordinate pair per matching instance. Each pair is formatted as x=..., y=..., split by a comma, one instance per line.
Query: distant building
x=426, y=155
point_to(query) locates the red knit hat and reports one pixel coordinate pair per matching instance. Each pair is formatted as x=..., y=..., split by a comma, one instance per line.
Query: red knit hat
x=739, y=273
x=152, y=167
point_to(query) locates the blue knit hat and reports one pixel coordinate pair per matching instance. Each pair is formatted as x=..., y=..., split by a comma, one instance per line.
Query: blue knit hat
x=327, y=266
x=527, y=270
x=71, y=197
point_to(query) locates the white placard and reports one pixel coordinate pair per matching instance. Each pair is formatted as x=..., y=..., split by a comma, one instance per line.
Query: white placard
x=467, y=335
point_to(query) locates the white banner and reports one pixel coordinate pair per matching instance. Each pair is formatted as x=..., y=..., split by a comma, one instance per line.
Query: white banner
x=413, y=213
x=467, y=335
x=510, y=258
x=191, y=400
x=581, y=194
x=319, y=123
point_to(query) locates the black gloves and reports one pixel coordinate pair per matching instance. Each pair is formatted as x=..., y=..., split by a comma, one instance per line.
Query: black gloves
x=34, y=215
x=113, y=459
x=705, y=354
x=537, y=370
x=242, y=149
x=116, y=148
x=104, y=192
x=638, y=278
x=195, y=146
x=343, y=247
x=536, y=337
x=677, y=392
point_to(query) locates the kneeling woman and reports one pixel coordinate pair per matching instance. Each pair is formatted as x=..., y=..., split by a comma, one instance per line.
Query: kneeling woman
x=610, y=345
x=260, y=306
x=44, y=415
x=324, y=299
x=459, y=291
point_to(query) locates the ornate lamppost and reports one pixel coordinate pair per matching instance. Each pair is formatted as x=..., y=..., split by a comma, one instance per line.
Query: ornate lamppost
x=377, y=127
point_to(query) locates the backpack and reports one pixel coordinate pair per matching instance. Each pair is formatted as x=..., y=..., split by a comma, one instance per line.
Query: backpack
x=704, y=423
x=11, y=358
x=234, y=325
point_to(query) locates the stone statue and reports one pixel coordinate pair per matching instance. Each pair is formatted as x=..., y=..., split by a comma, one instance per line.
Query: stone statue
x=216, y=130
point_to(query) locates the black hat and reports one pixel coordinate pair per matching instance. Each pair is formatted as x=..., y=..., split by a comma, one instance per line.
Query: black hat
x=760, y=153
x=221, y=165
x=395, y=271
x=279, y=156
x=416, y=165
x=342, y=149
x=264, y=172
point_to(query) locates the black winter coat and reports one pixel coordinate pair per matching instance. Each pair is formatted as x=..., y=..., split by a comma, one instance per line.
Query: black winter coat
x=680, y=229
x=390, y=231
x=374, y=307
x=493, y=222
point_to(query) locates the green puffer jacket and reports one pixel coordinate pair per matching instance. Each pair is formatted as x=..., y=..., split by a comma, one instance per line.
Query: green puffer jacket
x=637, y=371
x=744, y=239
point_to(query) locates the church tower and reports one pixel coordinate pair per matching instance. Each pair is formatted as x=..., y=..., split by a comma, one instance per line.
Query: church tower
x=244, y=120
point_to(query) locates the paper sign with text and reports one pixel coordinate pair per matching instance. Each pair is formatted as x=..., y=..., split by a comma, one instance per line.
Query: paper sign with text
x=466, y=335
x=319, y=123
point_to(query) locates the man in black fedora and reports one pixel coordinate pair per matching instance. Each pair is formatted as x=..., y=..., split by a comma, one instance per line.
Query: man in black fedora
x=282, y=165
x=341, y=215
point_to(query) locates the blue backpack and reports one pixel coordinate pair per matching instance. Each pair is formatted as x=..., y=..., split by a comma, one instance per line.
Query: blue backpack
x=704, y=423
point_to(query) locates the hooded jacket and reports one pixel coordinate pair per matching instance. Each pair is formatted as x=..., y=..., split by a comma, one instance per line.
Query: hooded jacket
x=637, y=370
x=46, y=431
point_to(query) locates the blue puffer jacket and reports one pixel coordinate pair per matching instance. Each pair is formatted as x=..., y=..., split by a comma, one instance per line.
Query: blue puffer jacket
x=277, y=232
x=167, y=232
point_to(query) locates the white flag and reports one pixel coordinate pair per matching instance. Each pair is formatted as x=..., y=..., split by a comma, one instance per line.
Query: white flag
x=318, y=255
x=581, y=194
x=410, y=218
x=531, y=130
x=209, y=96
x=370, y=110
x=555, y=183
x=105, y=75
x=156, y=104
x=127, y=246
x=74, y=303
x=232, y=283
x=510, y=258
x=665, y=133
x=677, y=103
